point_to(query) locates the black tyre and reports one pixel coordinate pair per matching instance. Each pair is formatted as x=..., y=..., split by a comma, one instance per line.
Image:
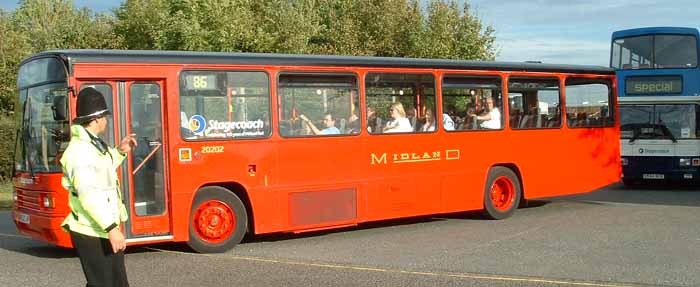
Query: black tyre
x=502, y=193
x=218, y=220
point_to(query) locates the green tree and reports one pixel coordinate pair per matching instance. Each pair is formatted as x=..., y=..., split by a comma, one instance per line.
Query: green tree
x=286, y=26
x=454, y=33
x=13, y=47
x=143, y=24
x=476, y=41
x=278, y=26
x=56, y=24
x=402, y=28
x=339, y=32
x=411, y=35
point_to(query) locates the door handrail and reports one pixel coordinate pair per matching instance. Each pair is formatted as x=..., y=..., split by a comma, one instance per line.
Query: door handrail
x=158, y=145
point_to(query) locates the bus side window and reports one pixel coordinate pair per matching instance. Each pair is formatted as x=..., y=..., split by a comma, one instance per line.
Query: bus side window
x=471, y=102
x=534, y=103
x=224, y=105
x=399, y=102
x=318, y=104
x=588, y=102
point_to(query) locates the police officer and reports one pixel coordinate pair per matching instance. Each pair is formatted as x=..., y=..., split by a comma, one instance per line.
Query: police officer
x=97, y=210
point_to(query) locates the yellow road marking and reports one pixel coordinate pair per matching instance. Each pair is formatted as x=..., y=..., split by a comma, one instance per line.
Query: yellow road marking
x=433, y=274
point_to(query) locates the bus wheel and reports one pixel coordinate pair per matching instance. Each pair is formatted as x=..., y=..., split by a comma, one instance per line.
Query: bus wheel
x=501, y=194
x=218, y=220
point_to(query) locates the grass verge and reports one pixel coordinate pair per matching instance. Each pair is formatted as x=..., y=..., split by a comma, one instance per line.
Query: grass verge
x=6, y=194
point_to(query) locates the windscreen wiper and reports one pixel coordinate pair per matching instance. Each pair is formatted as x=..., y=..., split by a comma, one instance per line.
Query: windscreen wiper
x=635, y=134
x=637, y=131
x=667, y=132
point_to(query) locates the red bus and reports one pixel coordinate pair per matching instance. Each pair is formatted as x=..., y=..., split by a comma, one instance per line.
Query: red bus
x=236, y=143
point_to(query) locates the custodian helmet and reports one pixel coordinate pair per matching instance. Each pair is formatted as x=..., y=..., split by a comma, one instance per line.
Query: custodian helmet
x=91, y=105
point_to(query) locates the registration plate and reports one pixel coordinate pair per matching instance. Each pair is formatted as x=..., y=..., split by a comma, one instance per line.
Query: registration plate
x=652, y=176
x=24, y=218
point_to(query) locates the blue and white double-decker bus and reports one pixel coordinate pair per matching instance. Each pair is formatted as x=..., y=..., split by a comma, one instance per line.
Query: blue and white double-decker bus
x=659, y=97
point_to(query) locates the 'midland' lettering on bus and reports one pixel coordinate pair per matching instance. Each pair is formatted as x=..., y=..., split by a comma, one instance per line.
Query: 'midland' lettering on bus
x=406, y=157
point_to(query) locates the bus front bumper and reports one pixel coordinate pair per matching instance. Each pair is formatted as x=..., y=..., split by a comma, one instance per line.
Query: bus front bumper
x=41, y=227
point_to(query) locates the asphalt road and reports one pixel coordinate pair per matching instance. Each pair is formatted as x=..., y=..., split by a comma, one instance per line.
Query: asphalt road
x=611, y=237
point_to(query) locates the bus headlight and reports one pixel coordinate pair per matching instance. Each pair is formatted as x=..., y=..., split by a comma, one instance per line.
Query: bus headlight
x=14, y=196
x=624, y=161
x=685, y=162
x=48, y=202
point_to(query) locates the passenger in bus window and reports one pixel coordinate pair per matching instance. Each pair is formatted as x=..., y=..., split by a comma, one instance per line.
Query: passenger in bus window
x=328, y=121
x=372, y=120
x=399, y=122
x=492, y=118
x=429, y=124
x=411, y=115
x=353, y=124
x=447, y=122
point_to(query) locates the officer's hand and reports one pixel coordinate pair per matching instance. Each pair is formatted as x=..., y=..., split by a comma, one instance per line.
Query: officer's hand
x=116, y=239
x=126, y=143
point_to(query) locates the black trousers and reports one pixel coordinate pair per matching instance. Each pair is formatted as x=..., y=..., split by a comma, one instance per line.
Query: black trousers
x=101, y=266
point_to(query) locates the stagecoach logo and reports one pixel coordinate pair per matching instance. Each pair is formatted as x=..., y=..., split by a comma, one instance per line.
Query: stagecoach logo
x=412, y=157
x=197, y=124
x=652, y=151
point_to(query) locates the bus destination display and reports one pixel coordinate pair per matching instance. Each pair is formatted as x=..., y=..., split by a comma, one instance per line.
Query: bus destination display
x=653, y=85
x=200, y=82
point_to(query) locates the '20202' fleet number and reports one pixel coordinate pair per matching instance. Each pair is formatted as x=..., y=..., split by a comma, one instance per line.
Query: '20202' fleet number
x=213, y=149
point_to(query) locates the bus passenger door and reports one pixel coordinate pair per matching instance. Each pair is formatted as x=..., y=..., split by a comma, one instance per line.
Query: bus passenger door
x=145, y=183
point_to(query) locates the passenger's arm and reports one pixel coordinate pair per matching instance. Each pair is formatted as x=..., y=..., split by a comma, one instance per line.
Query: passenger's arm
x=311, y=125
x=485, y=117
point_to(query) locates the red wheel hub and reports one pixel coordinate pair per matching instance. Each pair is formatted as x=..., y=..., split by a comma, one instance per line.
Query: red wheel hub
x=502, y=193
x=214, y=221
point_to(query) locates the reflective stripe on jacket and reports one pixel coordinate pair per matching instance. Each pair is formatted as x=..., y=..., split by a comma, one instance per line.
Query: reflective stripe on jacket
x=90, y=176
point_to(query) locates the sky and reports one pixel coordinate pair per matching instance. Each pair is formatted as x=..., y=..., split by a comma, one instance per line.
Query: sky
x=550, y=31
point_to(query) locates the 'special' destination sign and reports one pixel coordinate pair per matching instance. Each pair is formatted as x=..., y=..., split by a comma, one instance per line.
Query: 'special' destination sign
x=654, y=85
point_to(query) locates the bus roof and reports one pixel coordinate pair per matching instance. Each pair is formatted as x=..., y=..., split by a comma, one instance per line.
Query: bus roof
x=186, y=57
x=654, y=30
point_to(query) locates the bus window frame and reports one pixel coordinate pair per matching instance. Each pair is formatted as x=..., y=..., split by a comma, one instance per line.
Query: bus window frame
x=612, y=102
x=205, y=139
x=438, y=98
x=66, y=70
x=278, y=98
x=500, y=77
x=65, y=80
x=697, y=51
x=653, y=52
x=561, y=102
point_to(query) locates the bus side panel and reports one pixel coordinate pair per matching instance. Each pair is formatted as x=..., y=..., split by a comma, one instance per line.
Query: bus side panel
x=317, y=182
x=583, y=160
x=468, y=157
x=228, y=169
x=404, y=174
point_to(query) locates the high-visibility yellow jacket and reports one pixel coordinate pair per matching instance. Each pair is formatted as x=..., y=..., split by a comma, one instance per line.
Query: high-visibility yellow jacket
x=90, y=176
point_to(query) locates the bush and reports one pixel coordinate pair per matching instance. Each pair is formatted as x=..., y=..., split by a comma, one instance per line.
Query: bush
x=7, y=140
x=5, y=195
